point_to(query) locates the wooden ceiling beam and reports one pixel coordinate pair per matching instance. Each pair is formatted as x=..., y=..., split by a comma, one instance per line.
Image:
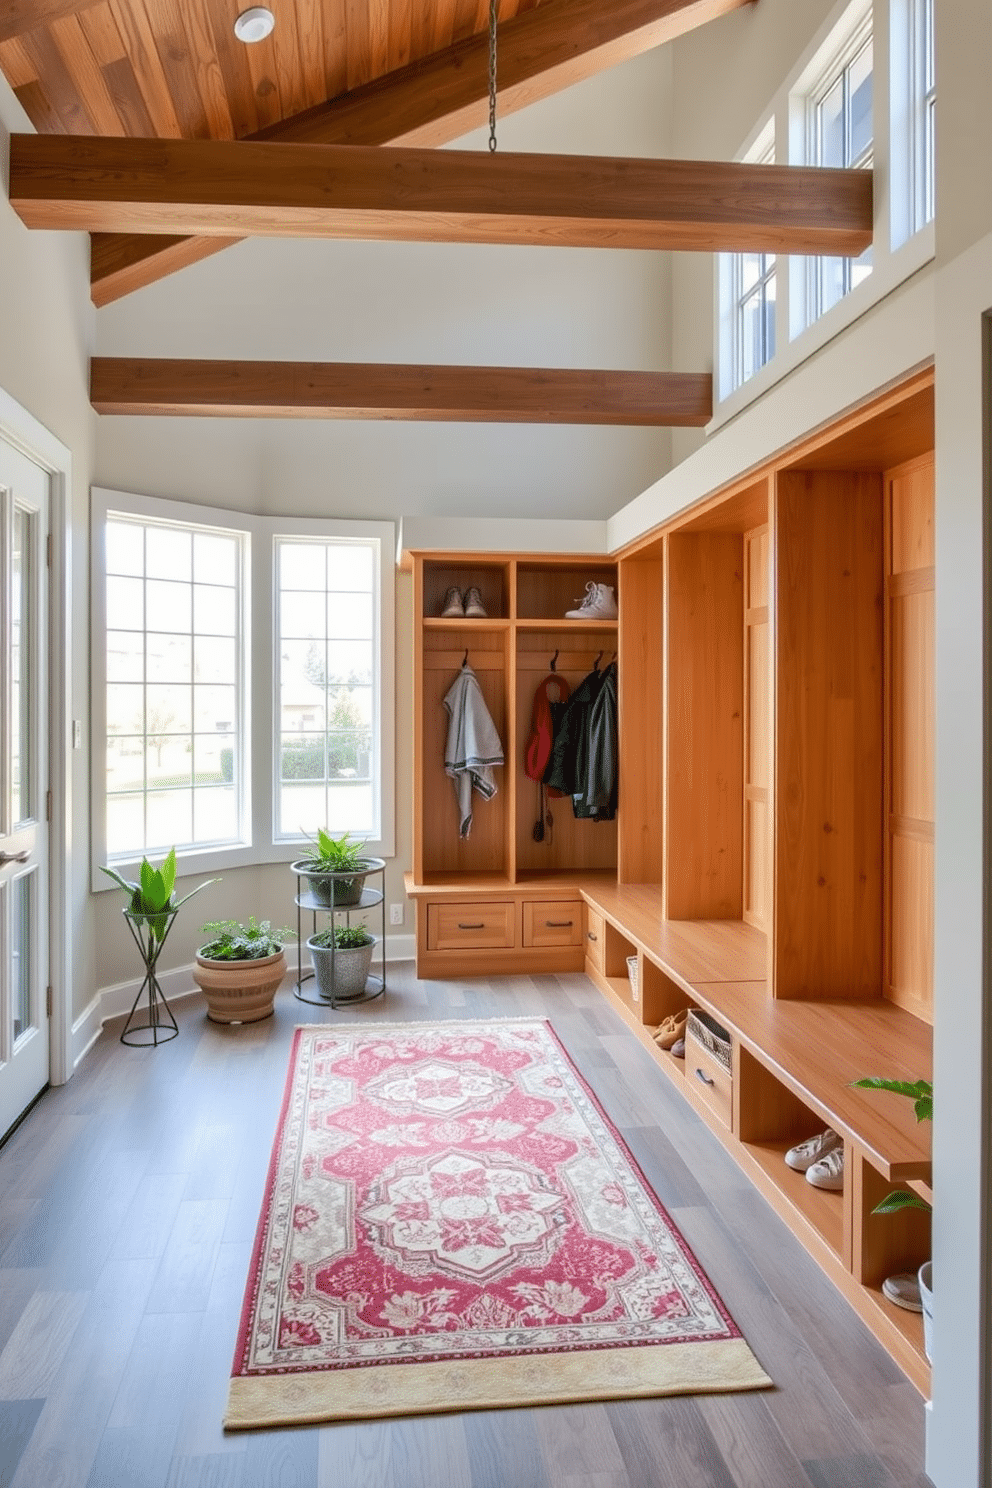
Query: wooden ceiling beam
x=18, y=16
x=436, y=100
x=216, y=187
x=341, y=390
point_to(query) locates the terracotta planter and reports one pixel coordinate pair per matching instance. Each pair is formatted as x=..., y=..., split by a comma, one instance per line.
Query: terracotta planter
x=240, y=991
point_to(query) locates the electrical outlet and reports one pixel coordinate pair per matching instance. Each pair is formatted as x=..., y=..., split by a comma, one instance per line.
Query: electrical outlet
x=396, y=914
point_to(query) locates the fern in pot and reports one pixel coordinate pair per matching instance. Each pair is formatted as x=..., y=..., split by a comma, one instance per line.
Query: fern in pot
x=341, y=959
x=336, y=870
x=240, y=967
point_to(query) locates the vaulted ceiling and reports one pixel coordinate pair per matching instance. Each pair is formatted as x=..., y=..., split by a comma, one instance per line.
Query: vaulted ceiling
x=360, y=72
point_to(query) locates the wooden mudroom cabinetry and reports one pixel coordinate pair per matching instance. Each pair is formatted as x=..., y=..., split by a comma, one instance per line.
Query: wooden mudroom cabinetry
x=772, y=858
x=524, y=893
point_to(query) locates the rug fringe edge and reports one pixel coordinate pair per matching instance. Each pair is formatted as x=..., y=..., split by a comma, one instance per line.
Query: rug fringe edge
x=369, y=1393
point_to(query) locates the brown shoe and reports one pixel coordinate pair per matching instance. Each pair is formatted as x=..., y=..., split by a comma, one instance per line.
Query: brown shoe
x=672, y=1029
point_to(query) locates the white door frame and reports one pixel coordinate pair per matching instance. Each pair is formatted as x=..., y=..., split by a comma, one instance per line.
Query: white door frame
x=23, y=431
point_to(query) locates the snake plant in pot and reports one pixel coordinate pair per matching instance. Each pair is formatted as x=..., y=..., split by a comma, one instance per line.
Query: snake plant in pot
x=240, y=968
x=920, y=1092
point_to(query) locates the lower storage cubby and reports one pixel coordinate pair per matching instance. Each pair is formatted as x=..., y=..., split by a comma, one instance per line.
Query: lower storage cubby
x=769, y=1119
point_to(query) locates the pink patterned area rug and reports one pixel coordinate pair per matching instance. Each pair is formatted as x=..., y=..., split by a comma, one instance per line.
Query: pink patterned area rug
x=450, y=1223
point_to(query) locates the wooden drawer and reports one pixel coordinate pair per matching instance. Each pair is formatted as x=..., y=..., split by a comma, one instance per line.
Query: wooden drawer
x=459, y=927
x=596, y=939
x=552, y=922
x=708, y=1083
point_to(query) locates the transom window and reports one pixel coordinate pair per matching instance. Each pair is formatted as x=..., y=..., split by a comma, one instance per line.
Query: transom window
x=842, y=136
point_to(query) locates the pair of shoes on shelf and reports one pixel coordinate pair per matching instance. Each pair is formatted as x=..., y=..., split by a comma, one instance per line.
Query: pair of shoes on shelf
x=599, y=604
x=468, y=606
x=821, y=1158
x=678, y=1049
x=670, y=1030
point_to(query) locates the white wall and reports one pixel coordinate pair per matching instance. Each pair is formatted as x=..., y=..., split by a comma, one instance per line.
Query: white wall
x=422, y=302
x=46, y=332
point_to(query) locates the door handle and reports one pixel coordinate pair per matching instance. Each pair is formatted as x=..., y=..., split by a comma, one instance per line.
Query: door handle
x=20, y=857
x=706, y=1079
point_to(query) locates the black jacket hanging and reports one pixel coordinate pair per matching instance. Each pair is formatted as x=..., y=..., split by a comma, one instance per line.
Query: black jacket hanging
x=584, y=751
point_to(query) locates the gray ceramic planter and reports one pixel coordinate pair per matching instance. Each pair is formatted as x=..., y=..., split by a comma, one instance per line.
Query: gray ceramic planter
x=341, y=973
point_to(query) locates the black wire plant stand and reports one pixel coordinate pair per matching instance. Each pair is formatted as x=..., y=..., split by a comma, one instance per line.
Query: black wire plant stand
x=150, y=932
x=375, y=984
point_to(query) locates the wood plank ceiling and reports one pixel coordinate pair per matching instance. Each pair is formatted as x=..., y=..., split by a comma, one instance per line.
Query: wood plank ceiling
x=173, y=68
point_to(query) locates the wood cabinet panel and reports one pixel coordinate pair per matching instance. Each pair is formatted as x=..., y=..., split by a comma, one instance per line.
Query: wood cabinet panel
x=707, y=1083
x=704, y=725
x=910, y=720
x=912, y=516
x=913, y=713
x=640, y=849
x=553, y=922
x=828, y=737
x=470, y=925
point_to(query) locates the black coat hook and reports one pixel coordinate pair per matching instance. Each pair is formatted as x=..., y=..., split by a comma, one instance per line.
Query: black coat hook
x=554, y=662
x=465, y=658
x=595, y=665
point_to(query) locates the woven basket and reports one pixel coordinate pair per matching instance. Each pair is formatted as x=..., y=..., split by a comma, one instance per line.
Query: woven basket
x=632, y=974
x=708, y=1032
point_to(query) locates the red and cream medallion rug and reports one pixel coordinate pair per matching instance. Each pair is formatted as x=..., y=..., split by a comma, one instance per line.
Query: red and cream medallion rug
x=451, y=1222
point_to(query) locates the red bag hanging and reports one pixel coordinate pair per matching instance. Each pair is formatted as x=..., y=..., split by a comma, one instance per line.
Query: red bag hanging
x=554, y=689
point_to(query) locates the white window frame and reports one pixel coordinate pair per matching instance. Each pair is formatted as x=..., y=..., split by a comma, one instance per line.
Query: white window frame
x=731, y=296
x=837, y=69
x=258, y=844
x=914, y=96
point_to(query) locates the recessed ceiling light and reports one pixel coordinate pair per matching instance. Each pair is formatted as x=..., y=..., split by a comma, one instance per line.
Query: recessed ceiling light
x=254, y=24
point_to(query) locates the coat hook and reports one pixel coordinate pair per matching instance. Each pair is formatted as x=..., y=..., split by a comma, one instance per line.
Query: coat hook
x=595, y=665
x=465, y=658
x=554, y=662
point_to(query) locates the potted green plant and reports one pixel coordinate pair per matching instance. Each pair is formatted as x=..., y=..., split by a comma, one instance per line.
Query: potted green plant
x=341, y=959
x=920, y=1092
x=240, y=968
x=150, y=913
x=336, y=870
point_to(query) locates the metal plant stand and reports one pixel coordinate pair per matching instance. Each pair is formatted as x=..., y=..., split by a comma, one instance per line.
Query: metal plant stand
x=160, y=1024
x=375, y=984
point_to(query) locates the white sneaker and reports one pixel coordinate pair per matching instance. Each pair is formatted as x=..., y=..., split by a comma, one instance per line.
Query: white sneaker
x=599, y=604
x=828, y=1172
x=807, y=1153
x=904, y=1290
x=452, y=609
x=474, y=608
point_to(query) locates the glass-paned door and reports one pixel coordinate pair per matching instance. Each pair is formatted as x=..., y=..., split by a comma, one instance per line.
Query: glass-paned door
x=24, y=1028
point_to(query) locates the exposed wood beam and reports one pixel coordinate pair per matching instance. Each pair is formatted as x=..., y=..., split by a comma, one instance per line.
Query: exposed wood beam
x=435, y=101
x=212, y=187
x=18, y=16
x=524, y=395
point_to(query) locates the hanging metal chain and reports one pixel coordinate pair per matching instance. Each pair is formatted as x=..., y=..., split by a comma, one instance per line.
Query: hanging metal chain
x=492, y=75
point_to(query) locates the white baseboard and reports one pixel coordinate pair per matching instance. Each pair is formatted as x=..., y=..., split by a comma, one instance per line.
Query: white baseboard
x=116, y=1000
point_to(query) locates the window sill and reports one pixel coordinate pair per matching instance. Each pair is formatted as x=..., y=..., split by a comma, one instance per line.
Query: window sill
x=886, y=277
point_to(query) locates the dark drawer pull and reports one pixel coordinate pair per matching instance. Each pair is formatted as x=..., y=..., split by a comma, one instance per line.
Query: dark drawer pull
x=558, y=924
x=589, y=935
x=706, y=1079
x=480, y=926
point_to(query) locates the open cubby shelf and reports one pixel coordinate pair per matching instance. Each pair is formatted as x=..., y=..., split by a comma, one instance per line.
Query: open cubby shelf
x=771, y=861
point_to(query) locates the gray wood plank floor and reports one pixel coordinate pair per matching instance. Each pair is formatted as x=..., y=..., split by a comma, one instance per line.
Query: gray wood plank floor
x=128, y=1204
